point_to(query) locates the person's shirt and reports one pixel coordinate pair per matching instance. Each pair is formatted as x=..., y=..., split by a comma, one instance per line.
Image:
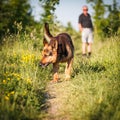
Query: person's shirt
x=85, y=21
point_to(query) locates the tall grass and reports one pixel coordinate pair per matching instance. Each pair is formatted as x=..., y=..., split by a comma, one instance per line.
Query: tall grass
x=95, y=86
x=92, y=93
x=22, y=81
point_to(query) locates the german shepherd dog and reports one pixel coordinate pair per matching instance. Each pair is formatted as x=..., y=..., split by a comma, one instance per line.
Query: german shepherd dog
x=56, y=50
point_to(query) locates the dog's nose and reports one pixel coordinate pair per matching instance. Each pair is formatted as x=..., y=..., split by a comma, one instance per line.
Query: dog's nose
x=40, y=64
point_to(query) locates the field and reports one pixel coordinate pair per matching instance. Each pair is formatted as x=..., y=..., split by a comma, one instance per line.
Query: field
x=93, y=92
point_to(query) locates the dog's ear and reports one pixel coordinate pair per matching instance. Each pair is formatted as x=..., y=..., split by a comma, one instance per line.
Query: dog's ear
x=54, y=44
x=45, y=41
x=47, y=33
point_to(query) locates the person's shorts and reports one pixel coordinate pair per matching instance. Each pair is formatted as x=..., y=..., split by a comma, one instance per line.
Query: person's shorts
x=87, y=35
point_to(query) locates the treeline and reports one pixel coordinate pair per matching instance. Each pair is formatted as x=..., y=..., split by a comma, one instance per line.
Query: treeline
x=13, y=12
x=106, y=17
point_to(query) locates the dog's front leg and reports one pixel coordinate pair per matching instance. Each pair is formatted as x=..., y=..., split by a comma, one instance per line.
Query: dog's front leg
x=55, y=72
x=68, y=69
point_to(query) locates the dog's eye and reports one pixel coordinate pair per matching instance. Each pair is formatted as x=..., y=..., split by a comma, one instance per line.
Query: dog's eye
x=46, y=51
x=50, y=54
x=45, y=55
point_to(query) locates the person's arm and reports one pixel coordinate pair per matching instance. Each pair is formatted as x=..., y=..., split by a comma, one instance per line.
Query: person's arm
x=80, y=27
x=80, y=23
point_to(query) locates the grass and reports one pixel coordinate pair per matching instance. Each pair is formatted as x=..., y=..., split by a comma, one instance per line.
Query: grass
x=91, y=94
x=22, y=81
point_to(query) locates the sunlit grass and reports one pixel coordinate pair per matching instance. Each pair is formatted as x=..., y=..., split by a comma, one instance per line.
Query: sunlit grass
x=91, y=94
x=22, y=81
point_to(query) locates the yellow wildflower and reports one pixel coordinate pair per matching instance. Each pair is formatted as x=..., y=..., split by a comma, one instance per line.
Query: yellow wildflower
x=8, y=78
x=8, y=94
x=6, y=98
x=24, y=93
x=12, y=92
x=6, y=73
x=4, y=81
x=28, y=81
x=100, y=100
x=18, y=78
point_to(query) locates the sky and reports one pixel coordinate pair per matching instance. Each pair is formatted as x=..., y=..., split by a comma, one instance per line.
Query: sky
x=66, y=11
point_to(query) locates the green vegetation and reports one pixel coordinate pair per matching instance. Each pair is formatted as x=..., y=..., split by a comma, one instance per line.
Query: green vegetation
x=106, y=17
x=14, y=11
x=92, y=92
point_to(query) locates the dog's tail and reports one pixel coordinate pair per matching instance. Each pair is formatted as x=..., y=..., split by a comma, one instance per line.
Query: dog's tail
x=47, y=33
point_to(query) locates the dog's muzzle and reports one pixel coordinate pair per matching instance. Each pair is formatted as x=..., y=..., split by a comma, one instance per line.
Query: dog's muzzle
x=43, y=65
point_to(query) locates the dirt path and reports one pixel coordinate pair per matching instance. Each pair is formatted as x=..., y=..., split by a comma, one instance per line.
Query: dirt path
x=56, y=98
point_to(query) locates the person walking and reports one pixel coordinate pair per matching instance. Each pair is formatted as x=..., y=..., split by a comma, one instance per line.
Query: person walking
x=86, y=28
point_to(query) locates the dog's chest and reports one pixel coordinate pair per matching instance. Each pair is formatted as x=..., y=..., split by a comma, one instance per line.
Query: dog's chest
x=61, y=51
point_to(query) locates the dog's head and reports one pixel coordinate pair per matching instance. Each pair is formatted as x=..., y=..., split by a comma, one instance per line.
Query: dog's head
x=49, y=53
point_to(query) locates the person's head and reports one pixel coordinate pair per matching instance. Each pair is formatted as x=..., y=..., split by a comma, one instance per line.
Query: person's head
x=85, y=9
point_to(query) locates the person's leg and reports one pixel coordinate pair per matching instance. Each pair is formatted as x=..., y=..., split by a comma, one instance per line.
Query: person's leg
x=83, y=48
x=90, y=41
x=89, y=49
x=84, y=41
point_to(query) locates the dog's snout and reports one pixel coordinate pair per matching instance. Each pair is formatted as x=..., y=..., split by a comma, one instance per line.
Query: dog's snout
x=43, y=65
x=40, y=64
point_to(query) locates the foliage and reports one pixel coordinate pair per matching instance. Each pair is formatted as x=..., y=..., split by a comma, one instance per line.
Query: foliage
x=93, y=92
x=105, y=25
x=49, y=8
x=22, y=81
x=12, y=11
x=113, y=19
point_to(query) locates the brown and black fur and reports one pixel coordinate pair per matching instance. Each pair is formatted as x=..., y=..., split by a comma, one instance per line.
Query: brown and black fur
x=56, y=50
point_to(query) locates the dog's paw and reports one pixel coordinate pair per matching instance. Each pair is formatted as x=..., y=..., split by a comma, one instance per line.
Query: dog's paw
x=67, y=77
x=54, y=81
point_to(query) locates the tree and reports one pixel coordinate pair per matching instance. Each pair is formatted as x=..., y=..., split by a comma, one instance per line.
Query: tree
x=12, y=11
x=105, y=26
x=98, y=17
x=49, y=8
x=113, y=18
